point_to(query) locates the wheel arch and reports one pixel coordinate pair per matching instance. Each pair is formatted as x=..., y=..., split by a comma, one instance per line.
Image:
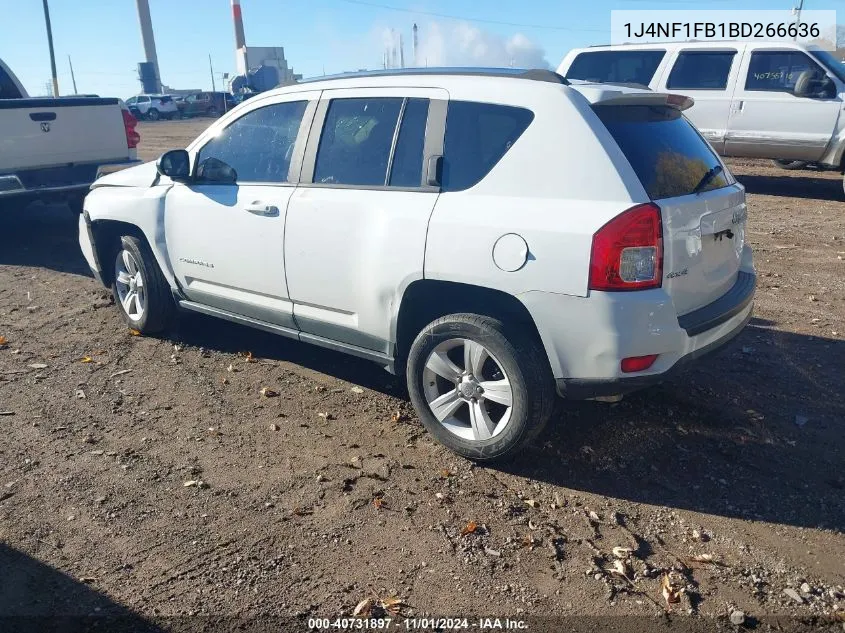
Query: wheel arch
x=107, y=234
x=425, y=300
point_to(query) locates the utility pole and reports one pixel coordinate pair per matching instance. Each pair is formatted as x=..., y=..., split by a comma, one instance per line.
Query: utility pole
x=211, y=68
x=72, y=76
x=52, y=54
x=797, y=13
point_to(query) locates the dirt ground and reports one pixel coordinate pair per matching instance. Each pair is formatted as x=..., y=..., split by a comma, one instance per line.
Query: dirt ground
x=156, y=481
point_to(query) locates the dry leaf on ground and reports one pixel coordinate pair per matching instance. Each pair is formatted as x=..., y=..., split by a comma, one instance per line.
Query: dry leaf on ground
x=134, y=332
x=269, y=393
x=470, y=528
x=86, y=359
x=703, y=558
x=670, y=594
x=364, y=608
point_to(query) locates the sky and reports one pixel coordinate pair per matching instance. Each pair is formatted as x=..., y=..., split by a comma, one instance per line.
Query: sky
x=103, y=37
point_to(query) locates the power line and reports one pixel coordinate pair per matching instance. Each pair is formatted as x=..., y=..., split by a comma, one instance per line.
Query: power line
x=449, y=16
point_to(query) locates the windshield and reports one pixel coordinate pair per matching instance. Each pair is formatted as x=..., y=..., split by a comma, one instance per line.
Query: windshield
x=831, y=63
x=668, y=155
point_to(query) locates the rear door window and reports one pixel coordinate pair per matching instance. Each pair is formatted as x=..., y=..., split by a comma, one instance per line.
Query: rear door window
x=701, y=70
x=406, y=170
x=778, y=71
x=668, y=155
x=477, y=136
x=259, y=145
x=630, y=67
x=356, y=141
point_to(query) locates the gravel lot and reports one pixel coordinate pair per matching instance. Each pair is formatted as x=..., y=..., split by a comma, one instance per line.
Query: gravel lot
x=156, y=480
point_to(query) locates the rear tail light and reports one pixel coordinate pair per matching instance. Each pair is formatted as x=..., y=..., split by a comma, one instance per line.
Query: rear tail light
x=638, y=363
x=627, y=252
x=129, y=123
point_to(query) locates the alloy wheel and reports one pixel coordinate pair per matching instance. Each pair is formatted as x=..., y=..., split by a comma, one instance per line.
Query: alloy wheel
x=467, y=389
x=130, y=284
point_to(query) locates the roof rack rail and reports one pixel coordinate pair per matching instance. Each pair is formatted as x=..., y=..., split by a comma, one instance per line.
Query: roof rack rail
x=534, y=74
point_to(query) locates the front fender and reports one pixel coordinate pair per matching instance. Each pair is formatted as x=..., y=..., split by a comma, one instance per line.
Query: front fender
x=142, y=208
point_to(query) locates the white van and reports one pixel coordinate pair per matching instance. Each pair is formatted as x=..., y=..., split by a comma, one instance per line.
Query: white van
x=778, y=100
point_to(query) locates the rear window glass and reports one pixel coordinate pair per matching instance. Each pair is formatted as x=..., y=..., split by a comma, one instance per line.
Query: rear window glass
x=668, y=155
x=627, y=67
x=701, y=70
x=477, y=136
x=8, y=89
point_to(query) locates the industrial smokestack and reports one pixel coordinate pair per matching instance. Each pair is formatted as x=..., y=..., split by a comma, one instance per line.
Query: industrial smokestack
x=237, y=17
x=401, y=52
x=416, y=44
x=148, y=39
x=240, y=39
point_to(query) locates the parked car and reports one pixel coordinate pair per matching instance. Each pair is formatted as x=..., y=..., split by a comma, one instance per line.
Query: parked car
x=497, y=237
x=208, y=104
x=153, y=107
x=53, y=149
x=778, y=100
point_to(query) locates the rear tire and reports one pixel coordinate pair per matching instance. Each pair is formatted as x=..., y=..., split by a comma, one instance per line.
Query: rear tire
x=75, y=204
x=140, y=290
x=212, y=111
x=153, y=114
x=493, y=365
x=790, y=165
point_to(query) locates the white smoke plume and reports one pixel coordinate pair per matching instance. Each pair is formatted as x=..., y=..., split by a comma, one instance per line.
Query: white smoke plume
x=462, y=44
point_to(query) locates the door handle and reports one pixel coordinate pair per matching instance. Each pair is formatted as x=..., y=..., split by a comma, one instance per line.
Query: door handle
x=259, y=208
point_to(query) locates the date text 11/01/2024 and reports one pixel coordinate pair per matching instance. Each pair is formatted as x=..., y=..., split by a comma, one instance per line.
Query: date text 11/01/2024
x=417, y=624
x=731, y=30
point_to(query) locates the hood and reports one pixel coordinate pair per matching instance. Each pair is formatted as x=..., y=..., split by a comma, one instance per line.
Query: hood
x=139, y=176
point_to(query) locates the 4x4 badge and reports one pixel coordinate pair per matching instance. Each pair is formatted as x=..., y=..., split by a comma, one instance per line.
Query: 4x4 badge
x=45, y=127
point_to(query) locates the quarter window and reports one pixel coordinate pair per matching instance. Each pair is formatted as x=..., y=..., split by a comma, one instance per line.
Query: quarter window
x=259, y=145
x=636, y=67
x=356, y=141
x=701, y=70
x=779, y=70
x=477, y=136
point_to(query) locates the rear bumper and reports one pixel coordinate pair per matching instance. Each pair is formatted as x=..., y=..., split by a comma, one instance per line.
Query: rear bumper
x=586, y=338
x=584, y=389
x=62, y=179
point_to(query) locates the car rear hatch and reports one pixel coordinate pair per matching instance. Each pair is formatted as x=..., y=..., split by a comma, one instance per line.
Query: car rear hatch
x=702, y=207
x=48, y=132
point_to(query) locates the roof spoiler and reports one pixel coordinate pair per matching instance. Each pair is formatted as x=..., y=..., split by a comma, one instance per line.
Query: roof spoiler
x=598, y=95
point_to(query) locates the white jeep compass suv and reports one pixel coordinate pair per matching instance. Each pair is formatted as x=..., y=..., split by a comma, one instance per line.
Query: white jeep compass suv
x=499, y=237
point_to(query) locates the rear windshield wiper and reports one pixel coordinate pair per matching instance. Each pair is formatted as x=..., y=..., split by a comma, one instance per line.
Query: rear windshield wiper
x=707, y=178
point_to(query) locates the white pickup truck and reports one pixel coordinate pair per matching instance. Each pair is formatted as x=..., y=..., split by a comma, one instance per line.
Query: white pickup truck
x=778, y=100
x=53, y=149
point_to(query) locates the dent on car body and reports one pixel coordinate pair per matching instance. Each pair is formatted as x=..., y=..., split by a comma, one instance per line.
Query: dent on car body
x=139, y=176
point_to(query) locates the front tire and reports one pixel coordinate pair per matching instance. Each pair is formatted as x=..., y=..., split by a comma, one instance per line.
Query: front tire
x=140, y=290
x=482, y=389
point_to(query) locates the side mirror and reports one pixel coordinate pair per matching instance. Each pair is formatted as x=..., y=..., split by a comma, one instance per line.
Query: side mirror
x=175, y=164
x=216, y=171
